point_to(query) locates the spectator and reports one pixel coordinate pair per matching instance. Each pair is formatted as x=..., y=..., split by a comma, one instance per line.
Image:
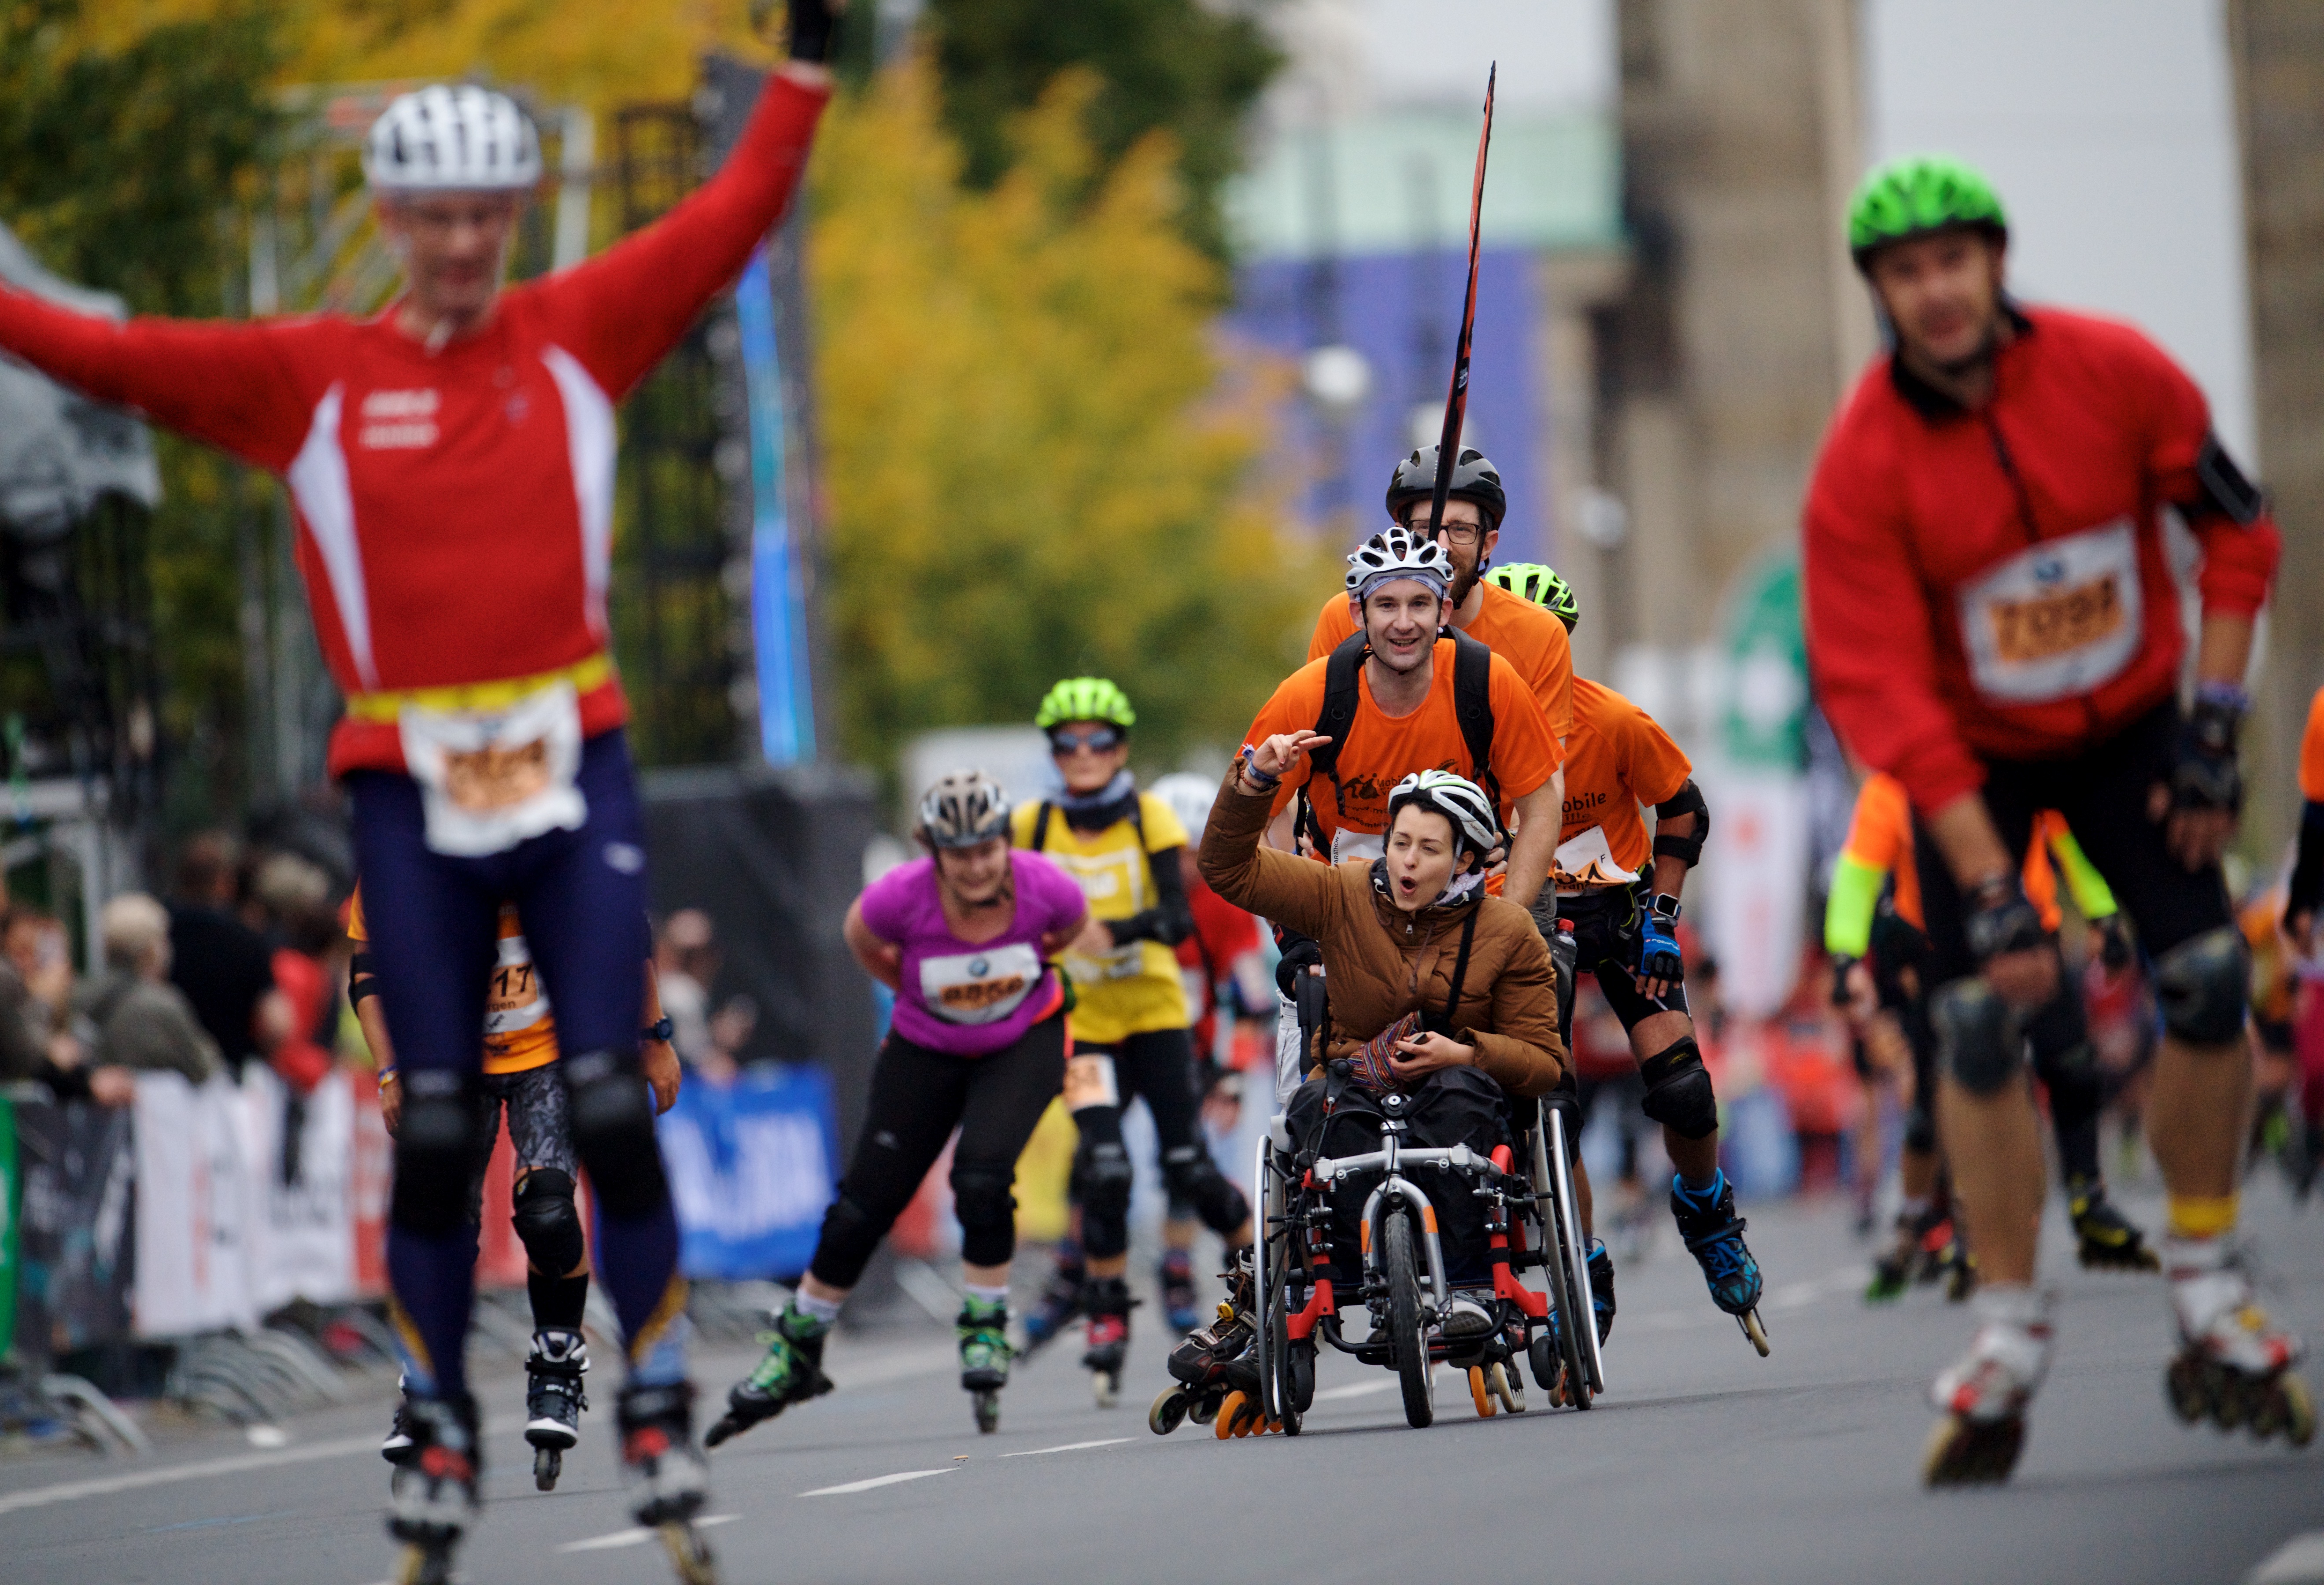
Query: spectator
x=134, y=1017
x=36, y=943
x=221, y=964
x=686, y=959
x=731, y=1028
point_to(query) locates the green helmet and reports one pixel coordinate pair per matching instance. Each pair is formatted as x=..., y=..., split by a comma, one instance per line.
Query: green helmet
x=1918, y=194
x=1530, y=580
x=1086, y=698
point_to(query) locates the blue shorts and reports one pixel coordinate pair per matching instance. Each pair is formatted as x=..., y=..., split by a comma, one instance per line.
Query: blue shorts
x=434, y=919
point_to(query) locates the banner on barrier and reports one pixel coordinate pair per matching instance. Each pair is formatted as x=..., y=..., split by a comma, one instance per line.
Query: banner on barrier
x=751, y=1171
x=298, y=1152
x=194, y=1219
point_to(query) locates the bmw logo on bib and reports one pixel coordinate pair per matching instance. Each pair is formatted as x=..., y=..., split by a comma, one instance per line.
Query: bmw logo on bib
x=979, y=968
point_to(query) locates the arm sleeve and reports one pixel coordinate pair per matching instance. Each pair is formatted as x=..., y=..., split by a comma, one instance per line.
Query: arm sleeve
x=2093, y=899
x=2239, y=559
x=1872, y=647
x=1554, y=687
x=1526, y=754
x=1847, y=912
x=619, y=312
x=1653, y=767
x=1298, y=893
x=229, y=386
x=1170, y=920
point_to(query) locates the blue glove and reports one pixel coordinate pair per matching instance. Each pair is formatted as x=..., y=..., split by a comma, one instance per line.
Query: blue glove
x=1658, y=954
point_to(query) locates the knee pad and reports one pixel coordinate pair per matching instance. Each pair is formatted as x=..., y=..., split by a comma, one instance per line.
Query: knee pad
x=612, y=1114
x=1193, y=1176
x=434, y=1153
x=1678, y=1091
x=1102, y=1173
x=851, y=1232
x=547, y=1224
x=2203, y=984
x=984, y=1198
x=1978, y=1037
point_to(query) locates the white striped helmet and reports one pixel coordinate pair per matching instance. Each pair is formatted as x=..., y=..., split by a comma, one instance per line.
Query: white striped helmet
x=1398, y=553
x=1475, y=825
x=962, y=809
x=457, y=139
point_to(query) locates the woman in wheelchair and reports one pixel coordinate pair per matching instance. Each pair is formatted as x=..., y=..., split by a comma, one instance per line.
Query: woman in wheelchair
x=1440, y=996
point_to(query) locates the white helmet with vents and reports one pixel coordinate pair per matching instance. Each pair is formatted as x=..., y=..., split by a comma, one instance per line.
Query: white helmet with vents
x=452, y=139
x=963, y=809
x=1398, y=553
x=1476, y=825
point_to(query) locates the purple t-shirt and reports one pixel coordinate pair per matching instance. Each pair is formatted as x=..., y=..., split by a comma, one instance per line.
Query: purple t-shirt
x=972, y=1000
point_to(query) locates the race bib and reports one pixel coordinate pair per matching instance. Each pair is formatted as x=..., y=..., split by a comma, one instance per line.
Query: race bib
x=514, y=1002
x=1090, y=1081
x=979, y=987
x=1584, y=861
x=1367, y=845
x=2056, y=619
x=488, y=782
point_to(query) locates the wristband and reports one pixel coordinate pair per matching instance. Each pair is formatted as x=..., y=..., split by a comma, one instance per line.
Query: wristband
x=1258, y=778
x=658, y=1030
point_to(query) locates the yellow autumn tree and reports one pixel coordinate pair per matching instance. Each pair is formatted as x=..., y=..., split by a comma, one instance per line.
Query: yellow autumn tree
x=1035, y=462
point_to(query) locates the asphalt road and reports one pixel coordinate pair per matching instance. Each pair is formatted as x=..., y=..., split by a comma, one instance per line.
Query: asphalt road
x=1702, y=1462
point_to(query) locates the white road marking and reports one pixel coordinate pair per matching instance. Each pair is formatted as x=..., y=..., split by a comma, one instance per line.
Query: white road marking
x=632, y=1537
x=875, y=1481
x=2298, y=1562
x=1067, y=1447
x=74, y=1490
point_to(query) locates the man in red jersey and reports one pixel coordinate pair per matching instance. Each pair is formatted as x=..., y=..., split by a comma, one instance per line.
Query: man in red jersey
x=451, y=464
x=1992, y=621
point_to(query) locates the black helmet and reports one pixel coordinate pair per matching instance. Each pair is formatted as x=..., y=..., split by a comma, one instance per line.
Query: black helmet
x=1474, y=478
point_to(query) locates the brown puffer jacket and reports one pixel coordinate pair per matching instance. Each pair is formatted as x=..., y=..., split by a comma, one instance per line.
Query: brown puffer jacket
x=1382, y=963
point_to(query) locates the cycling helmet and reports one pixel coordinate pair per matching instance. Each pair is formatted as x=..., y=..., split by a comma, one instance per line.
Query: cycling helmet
x=1460, y=800
x=1474, y=478
x=457, y=139
x=1530, y=580
x=1190, y=797
x=1086, y=698
x=1398, y=553
x=1916, y=195
x=962, y=809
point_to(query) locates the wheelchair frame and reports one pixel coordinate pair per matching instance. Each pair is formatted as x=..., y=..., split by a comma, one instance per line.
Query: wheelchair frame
x=1533, y=1222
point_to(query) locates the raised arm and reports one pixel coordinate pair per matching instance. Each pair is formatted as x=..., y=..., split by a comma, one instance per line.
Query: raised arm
x=1298, y=893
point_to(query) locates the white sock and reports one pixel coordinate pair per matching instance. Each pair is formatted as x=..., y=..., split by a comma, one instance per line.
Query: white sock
x=999, y=1295
x=824, y=1310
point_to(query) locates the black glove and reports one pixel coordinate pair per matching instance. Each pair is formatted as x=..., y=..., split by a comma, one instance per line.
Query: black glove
x=2114, y=945
x=1998, y=919
x=1299, y=951
x=2204, y=774
x=1841, y=964
x=812, y=27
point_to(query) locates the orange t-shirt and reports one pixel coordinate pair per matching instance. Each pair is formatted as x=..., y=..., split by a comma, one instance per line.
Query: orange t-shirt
x=2312, y=752
x=1881, y=836
x=1382, y=751
x=1618, y=758
x=520, y=1034
x=1521, y=632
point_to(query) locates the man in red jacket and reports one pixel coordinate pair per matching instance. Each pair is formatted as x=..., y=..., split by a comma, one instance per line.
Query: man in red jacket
x=451, y=464
x=1992, y=620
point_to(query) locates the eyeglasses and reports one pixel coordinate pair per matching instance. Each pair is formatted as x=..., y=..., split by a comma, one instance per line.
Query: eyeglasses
x=1460, y=534
x=1098, y=740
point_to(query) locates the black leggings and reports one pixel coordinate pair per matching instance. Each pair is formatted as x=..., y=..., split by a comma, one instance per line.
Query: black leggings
x=1159, y=1065
x=918, y=1096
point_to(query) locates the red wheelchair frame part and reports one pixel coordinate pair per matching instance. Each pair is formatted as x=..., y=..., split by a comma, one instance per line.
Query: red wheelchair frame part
x=1505, y=1284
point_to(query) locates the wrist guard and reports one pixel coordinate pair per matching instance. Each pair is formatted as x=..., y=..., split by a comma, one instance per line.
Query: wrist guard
x=1998, y=918
x=2205, y=774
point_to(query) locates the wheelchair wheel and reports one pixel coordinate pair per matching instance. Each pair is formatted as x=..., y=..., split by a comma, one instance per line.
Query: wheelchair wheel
x=1401, y=1259
x=1567, y=1275
x=1293, y=1363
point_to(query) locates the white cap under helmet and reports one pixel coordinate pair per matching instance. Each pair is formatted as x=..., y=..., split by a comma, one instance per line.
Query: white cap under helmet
x=455, y=139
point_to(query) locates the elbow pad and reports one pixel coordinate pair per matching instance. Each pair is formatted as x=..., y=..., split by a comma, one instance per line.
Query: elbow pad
x=360, y=982
x=1687, y=800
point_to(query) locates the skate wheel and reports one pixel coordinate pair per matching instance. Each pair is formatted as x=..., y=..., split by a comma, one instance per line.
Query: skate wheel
x=2298, y=1408
x=1757, y=1333
x=1508, y=1386
x=986, y=1402
x=726, y=1428
x=2183, y=1384
x=548, y=1463
x=423, y=1565
x=1480, y=1393
x=1969, y=1452
x=1230, y=1408
x=688, y=1555
x=1204, y=1408
x=1169, y=1413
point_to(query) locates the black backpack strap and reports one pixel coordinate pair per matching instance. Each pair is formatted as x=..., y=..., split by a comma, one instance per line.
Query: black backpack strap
x=1460, y=967
x=1342, y=693
x=1472, y=706
x=1041, y=842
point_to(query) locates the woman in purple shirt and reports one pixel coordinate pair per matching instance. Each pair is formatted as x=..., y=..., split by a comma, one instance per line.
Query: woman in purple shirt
x=964, y=938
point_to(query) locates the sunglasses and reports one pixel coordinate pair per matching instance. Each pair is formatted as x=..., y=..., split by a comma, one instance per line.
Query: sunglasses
x=1098, y=740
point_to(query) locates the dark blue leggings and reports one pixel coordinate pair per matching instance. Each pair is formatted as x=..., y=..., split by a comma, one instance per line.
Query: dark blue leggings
x=433, y=920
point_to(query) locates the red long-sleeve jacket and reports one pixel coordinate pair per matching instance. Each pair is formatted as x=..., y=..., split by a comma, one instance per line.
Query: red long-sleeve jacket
x=455, y=508
x=1993, y=584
